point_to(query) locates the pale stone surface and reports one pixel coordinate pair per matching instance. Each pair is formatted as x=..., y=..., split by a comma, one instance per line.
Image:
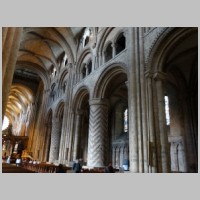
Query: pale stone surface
x=61, y=92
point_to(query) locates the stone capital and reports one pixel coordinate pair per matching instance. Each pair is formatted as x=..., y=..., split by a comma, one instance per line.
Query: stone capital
x=159, y=76
x=99, y=101
x=175, y=139
x=148, y=74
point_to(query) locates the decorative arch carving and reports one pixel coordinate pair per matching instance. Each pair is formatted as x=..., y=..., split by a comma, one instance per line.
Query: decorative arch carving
x=79, y=96
x=37, y=69
x=163, y=44
x=106, y=76
x=59, y=109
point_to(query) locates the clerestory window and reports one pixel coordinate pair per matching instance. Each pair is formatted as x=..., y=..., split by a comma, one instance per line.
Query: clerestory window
x=120, y=44
x=108, y=52
x=126, y=120
x=167, y=116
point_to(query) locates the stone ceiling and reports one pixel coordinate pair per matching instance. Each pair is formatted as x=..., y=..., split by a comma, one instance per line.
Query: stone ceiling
x=42, y=48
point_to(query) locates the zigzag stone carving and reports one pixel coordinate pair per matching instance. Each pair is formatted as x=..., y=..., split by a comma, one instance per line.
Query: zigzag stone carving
x=98, y=133
x=55, y=140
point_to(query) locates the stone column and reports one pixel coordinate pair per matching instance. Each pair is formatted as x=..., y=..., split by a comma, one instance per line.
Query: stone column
x=177, y=131
x=143, y=108
x=4, y=34
x=55, y=139
x=121, y=156
x=113, y=156
x=177, y=151
x=46, y=142
x=132, y=105
x=126, y=153
x=114, y=50
x=7, y=39
x=101, y=58
x=68, y=119
x=117, y=162
x=164, y=145
x=181, y=157
x=174, y=157
x=151, y=128
x=87, y=73
x=98, y=133
x=11, y=42
x=94, y=61
x=77, y=133
x=70, y=152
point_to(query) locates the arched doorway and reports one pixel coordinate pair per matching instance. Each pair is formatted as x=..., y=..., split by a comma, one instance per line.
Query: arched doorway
x=172, y=85
x=181, y=88
x=81, y=125
x=108, y=142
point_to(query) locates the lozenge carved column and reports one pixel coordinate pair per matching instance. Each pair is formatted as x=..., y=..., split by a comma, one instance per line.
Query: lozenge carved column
x=55, y=139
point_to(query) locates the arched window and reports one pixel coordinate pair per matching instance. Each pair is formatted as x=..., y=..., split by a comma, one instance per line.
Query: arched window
x=86, y=36
x=53, y=72
x=126, y=120
x=108, y=52
x=167, y=116
x=64, y=86
x=63, y=59
x=120, y=44
x=83, y=72
x=86, y=40
x=89, y=67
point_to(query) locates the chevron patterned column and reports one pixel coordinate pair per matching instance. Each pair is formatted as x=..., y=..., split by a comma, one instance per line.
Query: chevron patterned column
x=98, y=133
x=55, y=139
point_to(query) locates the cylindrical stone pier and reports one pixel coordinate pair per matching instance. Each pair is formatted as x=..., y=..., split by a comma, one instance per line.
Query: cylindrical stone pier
x=98, y=133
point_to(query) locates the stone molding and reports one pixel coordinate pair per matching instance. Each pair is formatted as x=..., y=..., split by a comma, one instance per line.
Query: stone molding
x=175, y=139
x=99, y=101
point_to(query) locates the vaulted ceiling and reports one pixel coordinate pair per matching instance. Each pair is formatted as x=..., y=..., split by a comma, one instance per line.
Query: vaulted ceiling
x=41, y=48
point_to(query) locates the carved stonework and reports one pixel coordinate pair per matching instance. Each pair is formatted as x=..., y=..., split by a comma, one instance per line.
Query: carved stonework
x=98, y=127
x=159, y=76
x=153, y=37
x=55, y=140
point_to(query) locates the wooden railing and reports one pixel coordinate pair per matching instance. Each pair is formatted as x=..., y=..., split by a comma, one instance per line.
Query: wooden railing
x=43, y=167
x=51, y=168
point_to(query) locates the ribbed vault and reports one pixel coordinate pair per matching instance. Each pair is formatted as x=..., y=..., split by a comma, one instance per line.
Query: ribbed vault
x=19, y=98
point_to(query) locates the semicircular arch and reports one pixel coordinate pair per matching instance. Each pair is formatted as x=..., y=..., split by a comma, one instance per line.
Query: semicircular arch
x=114, y=70
x=79, y=96
x=164, y=44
